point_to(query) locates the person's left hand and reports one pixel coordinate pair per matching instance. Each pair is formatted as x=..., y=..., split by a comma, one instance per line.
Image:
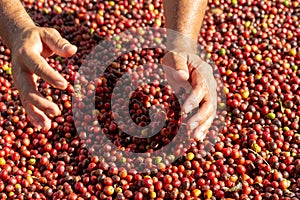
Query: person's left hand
x=29, y=51
x=181, y=67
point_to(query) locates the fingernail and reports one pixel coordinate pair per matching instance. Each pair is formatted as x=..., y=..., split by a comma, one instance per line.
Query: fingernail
x=181, y=74
x=34, y=123
x=52, y=113
x=47, y=126
x=73, y=47
x=193, y=125
x=188, y=109
x=202, y=136
x=37, y=126
x=180, y=71
x=66, y=46
x=199, y=136
x=61, y=84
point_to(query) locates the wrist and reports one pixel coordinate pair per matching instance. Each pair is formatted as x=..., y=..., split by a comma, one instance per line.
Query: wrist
x=181, y=45
x=14, y=20
x=181, y=42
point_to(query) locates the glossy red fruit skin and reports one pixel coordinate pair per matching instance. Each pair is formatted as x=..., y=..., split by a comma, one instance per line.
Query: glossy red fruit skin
x=158, y=185
x=4, y=175
x=60, y=169
x=167, y=179
x=254, y=46
x=138, y=196
x=241, y=169
x=108, y=181
x=148, y=182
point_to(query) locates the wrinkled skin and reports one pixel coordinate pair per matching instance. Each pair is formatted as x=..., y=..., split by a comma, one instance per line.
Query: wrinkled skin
x=189, y=67
x=28, y=61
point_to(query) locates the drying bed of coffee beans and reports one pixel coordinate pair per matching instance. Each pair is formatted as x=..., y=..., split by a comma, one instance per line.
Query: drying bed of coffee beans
x=253, y=45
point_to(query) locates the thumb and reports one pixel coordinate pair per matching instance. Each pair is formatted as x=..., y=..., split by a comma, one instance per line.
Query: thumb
x=57, y=44
x=179, y=63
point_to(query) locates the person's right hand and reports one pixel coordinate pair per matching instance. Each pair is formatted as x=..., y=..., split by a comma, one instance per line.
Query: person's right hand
x=29, y=51
x=182, y=68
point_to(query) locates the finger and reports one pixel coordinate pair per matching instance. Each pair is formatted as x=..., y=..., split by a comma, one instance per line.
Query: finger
x=205, y=111
x=201, y=135
x=38, y=65
x=200, y=132
x=206, y=72
x=194, y=99
x=202, y=86
x=179, y=63
x=170, y=79
x=37, y=117
x=46, y=52
x=29, y=95
x=197, y=93
x=197, y=82
x=57, y=44
x=34, y=122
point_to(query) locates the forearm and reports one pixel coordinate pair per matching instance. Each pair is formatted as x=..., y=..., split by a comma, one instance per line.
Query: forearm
x=185, y=17
x=13, y=20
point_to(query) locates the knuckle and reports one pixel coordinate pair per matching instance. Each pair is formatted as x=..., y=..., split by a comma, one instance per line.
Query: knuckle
x=38, y=68
x=21, y=52
x=24, y=53
x=52, y=31
x=201, y=86
x=195, y=102
x=60, y=42
x=54, y=35
x=57, y=41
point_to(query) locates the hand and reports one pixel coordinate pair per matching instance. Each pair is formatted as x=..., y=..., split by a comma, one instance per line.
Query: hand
x=29, y=51
x=189, y=67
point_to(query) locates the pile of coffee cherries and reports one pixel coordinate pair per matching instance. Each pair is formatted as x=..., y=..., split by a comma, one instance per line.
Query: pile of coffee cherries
x=251, y=150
